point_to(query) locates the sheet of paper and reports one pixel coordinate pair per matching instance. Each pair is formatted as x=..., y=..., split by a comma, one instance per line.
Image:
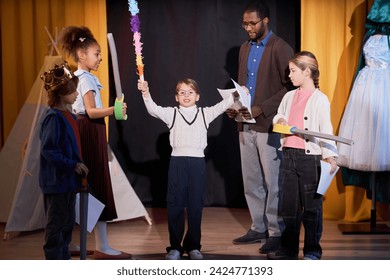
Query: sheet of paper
x=244, y=97
x=244, y=100
x=95, y=208
x=325, y=178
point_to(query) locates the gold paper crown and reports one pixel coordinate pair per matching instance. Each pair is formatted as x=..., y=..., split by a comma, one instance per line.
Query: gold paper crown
x=57, y=76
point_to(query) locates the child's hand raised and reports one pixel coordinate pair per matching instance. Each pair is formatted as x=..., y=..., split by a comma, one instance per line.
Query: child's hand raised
x=144, y=88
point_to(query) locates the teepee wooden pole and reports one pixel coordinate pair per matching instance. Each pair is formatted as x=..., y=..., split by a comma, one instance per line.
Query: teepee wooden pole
x=54, y=44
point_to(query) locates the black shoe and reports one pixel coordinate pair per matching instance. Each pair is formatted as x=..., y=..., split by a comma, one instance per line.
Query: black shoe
x=281, y=255
x=272, y=244
x=251, y=237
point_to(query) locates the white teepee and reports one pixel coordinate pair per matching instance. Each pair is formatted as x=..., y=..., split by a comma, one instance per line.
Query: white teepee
x=21, y=203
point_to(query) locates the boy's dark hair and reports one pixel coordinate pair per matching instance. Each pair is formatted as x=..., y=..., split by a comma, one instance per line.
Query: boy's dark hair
x=58, y=82
x=259, y=7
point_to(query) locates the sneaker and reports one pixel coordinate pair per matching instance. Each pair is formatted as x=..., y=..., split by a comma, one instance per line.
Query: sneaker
x=195, y=255
x=251, y=237
x=311, y=257
x=173, y=255
x=281, y=255
x=272, y=244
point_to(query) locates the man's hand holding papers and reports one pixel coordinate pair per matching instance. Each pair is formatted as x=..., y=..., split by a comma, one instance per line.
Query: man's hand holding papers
x=241, y=109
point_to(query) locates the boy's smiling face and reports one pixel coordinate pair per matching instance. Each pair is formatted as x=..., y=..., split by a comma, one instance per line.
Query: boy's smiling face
x=186, y=96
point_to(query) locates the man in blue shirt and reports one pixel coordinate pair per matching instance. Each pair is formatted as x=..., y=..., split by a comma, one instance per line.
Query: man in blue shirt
x=263, y=66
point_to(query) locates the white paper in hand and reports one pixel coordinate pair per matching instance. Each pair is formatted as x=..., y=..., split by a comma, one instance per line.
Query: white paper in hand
x=95, y=208
x=244, y=100
x=325, y=177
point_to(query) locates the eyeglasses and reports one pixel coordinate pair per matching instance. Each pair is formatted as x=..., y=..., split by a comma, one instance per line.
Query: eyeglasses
x=250, y=24
x=189, y=92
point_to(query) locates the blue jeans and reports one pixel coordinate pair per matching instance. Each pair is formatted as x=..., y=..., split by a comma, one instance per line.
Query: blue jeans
x=300, y=202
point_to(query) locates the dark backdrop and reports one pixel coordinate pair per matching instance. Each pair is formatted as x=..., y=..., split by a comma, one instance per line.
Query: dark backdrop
x=199, y=39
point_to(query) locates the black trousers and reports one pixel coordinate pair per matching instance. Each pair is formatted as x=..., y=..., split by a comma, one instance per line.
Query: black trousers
x=186, y=186
x=60, y=220
x=300, y=203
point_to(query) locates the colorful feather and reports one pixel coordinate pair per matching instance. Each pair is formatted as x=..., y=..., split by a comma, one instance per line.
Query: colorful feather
x=135, y=27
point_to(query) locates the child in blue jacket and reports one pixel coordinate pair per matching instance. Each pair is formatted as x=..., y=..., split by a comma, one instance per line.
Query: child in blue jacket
x=61, y=166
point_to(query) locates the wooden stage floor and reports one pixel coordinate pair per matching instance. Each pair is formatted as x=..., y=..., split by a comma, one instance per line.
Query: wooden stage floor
x=219, y=227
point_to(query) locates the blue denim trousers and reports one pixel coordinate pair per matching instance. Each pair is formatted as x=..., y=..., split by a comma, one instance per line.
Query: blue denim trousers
x=300, y=202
